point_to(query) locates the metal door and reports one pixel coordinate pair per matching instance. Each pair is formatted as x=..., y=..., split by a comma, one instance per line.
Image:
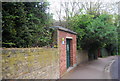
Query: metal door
x=68, y=52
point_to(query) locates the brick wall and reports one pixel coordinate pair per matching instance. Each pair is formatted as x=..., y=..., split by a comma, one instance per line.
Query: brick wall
x=62, y=49
x=30, y=63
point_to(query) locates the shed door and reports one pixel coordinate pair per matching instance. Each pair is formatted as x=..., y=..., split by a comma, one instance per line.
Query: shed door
x=68, y=52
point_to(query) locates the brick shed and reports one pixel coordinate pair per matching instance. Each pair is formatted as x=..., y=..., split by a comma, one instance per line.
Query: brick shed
x=65, y=40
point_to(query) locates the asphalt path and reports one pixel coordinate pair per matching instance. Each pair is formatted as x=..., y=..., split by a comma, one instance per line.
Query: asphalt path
x=96, y=69
x=115, y=68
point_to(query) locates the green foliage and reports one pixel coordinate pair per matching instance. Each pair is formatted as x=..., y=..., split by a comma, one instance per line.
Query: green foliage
x=118, y=30
x=94, y=32
x=23, y=23
x=78, y=24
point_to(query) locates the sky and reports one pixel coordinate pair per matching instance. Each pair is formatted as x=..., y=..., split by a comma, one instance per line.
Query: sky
x=55, y=5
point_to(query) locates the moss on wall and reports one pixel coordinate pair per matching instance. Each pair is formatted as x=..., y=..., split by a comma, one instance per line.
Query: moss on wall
x=30, y=63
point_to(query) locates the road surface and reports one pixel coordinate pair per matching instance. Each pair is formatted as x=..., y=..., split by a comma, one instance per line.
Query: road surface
x=92, y=70
x=115, y=68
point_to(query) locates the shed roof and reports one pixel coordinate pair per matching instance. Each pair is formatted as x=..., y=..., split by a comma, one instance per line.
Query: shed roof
x=63, y=29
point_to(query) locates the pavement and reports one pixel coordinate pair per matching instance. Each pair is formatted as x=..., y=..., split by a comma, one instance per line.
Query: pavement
x=97, y=69
x=115, y=68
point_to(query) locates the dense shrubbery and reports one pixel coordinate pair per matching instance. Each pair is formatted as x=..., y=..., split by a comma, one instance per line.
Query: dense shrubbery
x=94, y=31
x=23, y=24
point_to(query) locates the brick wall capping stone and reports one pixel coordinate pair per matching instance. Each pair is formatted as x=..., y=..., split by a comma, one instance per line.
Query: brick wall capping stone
x=63, y=29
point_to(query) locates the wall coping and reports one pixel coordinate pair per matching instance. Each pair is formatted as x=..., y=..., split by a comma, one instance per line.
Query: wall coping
x=63, y=29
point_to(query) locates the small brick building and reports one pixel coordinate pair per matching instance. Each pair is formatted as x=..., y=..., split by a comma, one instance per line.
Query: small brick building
x=65, y=40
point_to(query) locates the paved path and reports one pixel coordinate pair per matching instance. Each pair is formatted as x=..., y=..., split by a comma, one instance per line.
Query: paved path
x=97, y=69
x=115, y=68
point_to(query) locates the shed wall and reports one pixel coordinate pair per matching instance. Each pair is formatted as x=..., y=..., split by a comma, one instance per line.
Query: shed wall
x=62, y=50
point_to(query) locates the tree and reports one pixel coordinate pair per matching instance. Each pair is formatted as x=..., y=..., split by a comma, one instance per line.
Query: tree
x=118, y=27
x=71, y=8
x=24, y=22
x=67, y=10
x=94, y=32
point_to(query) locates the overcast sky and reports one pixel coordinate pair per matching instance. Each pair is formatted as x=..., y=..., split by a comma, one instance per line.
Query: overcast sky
x=55, y=4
